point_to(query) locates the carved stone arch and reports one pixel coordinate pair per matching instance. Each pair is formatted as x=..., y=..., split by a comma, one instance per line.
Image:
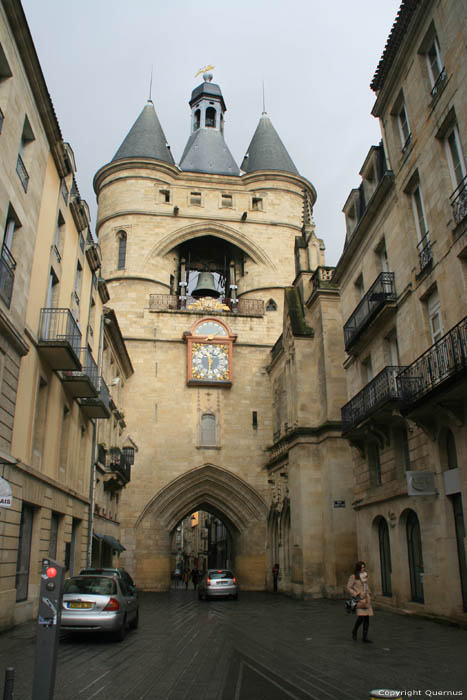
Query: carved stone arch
x=175, y=238
x=207, y=487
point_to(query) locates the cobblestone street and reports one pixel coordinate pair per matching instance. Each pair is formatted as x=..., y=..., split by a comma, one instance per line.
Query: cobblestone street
x=261, y=647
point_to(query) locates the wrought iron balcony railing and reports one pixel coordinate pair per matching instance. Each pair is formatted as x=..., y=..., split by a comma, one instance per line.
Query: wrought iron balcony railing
x=380, y=293
x=22, y=173
x=89, y=367
x=380, y=391
x=439, y=84
x=59, y=325
x=172, y=302
x=446, y=359
x=425, y=253
x=7, y=275
x=459, y=201
x=118, y=463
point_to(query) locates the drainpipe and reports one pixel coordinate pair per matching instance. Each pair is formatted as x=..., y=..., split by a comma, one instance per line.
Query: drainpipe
x=91, y=494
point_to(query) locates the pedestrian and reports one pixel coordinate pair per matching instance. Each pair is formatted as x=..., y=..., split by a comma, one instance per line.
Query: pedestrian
x=275, y=576
x=195, y=578
x=358, y=588
x=186, y=578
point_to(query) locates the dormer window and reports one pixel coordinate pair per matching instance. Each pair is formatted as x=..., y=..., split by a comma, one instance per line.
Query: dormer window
x=211, y=118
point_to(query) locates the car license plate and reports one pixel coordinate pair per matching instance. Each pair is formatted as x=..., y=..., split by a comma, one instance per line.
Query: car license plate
x=223, y=583
x=80, y=605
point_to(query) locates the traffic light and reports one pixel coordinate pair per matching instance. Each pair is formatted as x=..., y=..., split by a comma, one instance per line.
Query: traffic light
x=48, y=629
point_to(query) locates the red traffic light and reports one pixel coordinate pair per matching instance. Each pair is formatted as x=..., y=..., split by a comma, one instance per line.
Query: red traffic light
x=51, y=571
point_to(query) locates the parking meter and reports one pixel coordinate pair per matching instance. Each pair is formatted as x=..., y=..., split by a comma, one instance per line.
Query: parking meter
x=48, y=629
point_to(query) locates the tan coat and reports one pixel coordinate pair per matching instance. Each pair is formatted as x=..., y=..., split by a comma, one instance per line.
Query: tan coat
x=357, y=587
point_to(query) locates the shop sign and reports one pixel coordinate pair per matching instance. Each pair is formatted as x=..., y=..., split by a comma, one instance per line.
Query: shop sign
x=6, y=497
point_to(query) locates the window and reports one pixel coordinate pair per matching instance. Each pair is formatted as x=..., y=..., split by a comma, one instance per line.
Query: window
x=384, y=557
x=271, y=305
x=375, y=464
x=436, y=70
x=78, y=281
x=254, y=420
x=401, y=448
x=53, y=535
x=59, y=237
x=392, y=350
x=24, y=552
x=415, y=554
x=195, y=199
x=359, y=287
x=451, y=451
x=382, y=254
x=257, y=204
x=456, y=157
x=434, y=315
x=208, y=429
x=164, y=196
x=367, y=370
x=197, y=121
x=211, y=117
x=226, y=200
x=64, y=441
x=424, y=247
x=40, y=416
x=404, y=127
x=27, y=137
x=122, y=239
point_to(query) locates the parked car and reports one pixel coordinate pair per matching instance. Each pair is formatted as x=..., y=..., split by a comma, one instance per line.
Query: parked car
x=110, y=571
x=216, y=583
x=99, y=604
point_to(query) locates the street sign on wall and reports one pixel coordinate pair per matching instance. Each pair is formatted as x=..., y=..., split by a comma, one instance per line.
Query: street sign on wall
x=6, y=497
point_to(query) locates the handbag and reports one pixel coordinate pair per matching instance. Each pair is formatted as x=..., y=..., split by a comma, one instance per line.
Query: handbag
x=362, y=604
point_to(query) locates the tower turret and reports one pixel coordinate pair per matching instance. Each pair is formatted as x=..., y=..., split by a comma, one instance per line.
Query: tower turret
x=206, y=150
x=145, y=138
x=266, y=150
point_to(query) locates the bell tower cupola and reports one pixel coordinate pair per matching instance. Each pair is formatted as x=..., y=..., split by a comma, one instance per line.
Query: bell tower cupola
x=206, y=150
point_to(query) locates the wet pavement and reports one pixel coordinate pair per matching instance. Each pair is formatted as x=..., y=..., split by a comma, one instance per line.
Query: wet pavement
x=261, y=647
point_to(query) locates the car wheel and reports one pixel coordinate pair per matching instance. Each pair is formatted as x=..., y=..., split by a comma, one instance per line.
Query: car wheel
x=120, y=634
x=135, y=622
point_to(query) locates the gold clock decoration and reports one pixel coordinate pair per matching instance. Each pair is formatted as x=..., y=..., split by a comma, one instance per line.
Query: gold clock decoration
x=209, y=353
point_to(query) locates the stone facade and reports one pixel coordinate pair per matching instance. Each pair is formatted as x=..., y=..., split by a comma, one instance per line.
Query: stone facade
x=402, y=278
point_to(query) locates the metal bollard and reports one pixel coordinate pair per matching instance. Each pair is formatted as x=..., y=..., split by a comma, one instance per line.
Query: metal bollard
x=385, y=693
x=9, y=682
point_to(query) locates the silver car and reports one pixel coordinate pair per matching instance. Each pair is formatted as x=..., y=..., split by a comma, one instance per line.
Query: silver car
x=216, y=583
x=99, y=604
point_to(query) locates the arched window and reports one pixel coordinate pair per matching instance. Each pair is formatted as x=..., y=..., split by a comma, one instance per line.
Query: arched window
x=414, y=549
x=384, y=557
x=451, y=451
x=271, y=305
x=211, y=117
x=121, y=249
x=197, y=118
x=208, y=429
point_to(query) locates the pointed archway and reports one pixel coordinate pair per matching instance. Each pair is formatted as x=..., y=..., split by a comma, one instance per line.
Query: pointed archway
x=214, y=489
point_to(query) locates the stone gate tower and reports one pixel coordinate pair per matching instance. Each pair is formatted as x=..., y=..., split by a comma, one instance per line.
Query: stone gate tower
x=197, y=258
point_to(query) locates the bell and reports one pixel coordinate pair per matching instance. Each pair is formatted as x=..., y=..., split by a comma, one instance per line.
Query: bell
x=205, y=286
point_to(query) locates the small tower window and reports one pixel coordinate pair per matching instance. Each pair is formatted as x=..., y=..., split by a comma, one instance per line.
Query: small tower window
x=164, y=196
x=226, y=200
x=121, y=249
x=271, y=305
x=211, y=117
x=208, y=429
x=195, y=198
x=197, y=119
x=257, y=204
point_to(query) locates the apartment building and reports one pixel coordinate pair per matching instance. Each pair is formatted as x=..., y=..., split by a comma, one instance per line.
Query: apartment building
x=403, y=284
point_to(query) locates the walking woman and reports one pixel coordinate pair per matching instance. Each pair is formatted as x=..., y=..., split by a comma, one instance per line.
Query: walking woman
x=358, y=588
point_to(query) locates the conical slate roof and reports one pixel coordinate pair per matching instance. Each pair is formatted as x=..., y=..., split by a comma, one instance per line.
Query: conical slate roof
x=145, y=138
x=266, y=151
x=207, y=152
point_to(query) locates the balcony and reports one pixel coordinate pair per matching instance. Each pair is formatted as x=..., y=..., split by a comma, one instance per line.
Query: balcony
x=425, y=253
x=459, y=202
x=172, y=302
x=377, y=395
x=98, y=407
x=83, y=384
x=119, y=470
x=59, y=339
x=7, y=275
x=22, y=173
x=437, y=370
x=381, y=295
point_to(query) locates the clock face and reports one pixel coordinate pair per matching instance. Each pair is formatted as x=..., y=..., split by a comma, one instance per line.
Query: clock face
x=210, y=361
x=210, y=328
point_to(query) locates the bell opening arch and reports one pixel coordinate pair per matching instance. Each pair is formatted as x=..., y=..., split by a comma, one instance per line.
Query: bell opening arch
x=215, y=490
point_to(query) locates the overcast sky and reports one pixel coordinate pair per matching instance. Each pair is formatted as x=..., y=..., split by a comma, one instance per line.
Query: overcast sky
x=316, y=57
